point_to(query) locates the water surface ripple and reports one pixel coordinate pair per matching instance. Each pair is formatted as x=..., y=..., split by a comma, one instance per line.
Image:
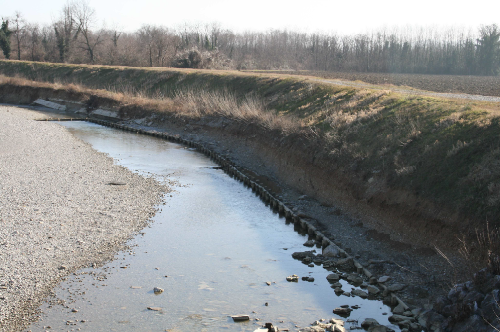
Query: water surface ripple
x=212, y=247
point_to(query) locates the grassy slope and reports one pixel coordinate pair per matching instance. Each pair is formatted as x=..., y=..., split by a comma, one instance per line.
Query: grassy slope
x=445, y=150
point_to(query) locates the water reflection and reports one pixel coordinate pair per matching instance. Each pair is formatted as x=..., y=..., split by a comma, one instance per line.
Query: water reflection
x=212, y=249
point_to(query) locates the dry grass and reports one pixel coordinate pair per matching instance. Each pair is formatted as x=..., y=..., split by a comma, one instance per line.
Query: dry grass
x=190, y=103
x=250, y=109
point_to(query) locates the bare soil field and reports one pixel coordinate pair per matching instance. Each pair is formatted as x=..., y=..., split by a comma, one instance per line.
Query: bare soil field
x=475, y=85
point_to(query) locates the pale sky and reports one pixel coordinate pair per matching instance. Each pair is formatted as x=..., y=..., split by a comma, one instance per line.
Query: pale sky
x=349, y=17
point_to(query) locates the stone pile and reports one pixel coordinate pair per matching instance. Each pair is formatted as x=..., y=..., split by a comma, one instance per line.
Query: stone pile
x=471, y=306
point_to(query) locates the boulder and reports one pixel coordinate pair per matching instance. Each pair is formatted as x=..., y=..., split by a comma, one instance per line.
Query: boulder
x=399, y=319
x=367, y=323
x=396, y=287
x=491, y=284
x=342, y=311
x=431, y=320
x=335, y=321
x=307, y=260
x=333, y=277
x=383, y=279
x=361, y=293
x=338, y=328
x=490, y=306
x=339, y=291
x=346, y=263
x=398, y=310
x=372, y=290
x=473, y=323
x=310, y=243
x=240, y=318
x=355, y=279
x=441, y=302
x=473, y=296
x=331, y=251
x=454, y=293
x=300, y=255
x=378, y=328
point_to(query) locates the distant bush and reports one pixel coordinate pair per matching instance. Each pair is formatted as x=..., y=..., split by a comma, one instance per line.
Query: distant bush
x=193, y=58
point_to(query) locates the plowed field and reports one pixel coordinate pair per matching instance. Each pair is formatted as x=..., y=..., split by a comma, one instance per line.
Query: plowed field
x=475, y=85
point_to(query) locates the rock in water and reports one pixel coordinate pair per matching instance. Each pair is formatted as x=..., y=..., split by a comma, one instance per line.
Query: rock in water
x=360, y=293
x=154, y=308
x=372, y=289
x=342, y=311
x=310, y=243
x=331, y=251
x=240, y=318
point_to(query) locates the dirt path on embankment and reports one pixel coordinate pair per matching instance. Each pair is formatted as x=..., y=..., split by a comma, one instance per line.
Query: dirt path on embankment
x=474, y=88
x=412, y=92
x=58, y=210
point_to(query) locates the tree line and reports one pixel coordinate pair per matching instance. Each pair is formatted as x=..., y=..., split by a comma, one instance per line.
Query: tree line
x=75, y=37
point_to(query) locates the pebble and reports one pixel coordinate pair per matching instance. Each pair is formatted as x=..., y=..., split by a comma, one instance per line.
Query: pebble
x=52, y=158
x=154, y=308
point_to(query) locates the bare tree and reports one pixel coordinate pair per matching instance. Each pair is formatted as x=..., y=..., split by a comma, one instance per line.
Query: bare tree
x=146, y=38
x=34, y=37
x=159, y=43
x=19, y=32
x=66, y=30
x=85, y=17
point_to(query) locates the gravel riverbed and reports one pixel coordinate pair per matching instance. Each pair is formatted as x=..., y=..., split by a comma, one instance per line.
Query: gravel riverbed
x=63, y=206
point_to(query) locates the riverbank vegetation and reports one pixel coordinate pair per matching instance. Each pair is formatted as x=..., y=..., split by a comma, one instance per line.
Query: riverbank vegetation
x=428, y=158
x=75, y=37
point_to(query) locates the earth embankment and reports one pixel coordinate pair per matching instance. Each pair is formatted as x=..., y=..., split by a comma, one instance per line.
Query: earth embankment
x=423, y=167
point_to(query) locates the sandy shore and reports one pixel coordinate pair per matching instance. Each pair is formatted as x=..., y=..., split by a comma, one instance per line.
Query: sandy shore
x=58, y=212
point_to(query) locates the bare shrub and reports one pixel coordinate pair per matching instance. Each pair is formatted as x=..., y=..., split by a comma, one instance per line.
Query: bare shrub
x=193, y=58
x=459, y=146
x=483, y=249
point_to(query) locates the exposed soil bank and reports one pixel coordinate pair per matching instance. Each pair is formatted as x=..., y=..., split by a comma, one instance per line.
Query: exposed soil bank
x=408, y=168
x=380, y=237
x=59, y=210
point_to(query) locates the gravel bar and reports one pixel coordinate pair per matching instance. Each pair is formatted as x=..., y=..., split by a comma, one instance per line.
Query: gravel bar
x=63, y=206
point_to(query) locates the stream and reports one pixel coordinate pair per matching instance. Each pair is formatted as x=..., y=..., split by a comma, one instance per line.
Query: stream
x=211, y=247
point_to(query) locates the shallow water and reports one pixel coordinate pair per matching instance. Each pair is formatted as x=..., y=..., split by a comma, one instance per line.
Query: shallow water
x=212, y=248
